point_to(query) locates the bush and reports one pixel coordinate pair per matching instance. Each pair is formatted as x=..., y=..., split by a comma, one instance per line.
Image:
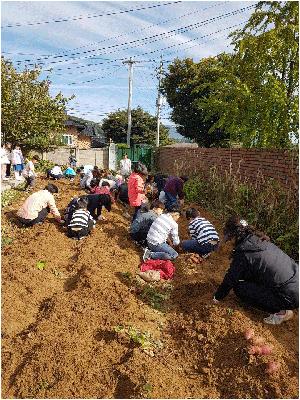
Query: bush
x=44, y=165
x=264, y=203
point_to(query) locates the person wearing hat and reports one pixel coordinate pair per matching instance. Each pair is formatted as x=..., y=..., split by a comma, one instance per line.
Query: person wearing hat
x=136, y=187
x=260, y=274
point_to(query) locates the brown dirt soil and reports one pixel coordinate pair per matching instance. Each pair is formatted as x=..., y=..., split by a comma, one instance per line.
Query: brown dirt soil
x=59, y=335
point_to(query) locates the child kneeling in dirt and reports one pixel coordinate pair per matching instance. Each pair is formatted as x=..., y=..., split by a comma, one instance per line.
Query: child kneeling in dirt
x=204, y=237
x=140, y=226
x=38, y=205
x=81, y=222
x=158, y=235
x=95, y=204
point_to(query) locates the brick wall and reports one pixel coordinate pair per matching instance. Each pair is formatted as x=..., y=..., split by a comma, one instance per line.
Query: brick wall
x=249, y=163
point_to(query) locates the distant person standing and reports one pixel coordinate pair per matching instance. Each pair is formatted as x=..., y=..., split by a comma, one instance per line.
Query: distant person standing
x=125, y=166
x=8, y=166
x=72, y=161
x=17, y=162
x=4, y=162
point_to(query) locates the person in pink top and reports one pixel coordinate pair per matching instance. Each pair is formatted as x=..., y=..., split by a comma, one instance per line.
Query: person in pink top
x=136, y=187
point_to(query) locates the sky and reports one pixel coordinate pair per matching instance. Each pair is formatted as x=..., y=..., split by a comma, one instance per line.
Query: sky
x=82, y=45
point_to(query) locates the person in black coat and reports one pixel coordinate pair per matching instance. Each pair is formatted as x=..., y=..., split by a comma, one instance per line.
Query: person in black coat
x=260, y=274
x=96, y=202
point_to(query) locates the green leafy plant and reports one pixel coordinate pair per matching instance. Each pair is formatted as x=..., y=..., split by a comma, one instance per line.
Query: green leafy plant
x=141, y=339
x=154, y=297
x=44, y=165
x=41, y=265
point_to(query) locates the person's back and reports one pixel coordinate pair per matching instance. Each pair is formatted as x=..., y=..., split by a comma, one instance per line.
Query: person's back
x=81, y=222
x=135, y=189
x=34, y=204
x=143, y=221
x=267, y=264
x=123, y=193
x=161, y=228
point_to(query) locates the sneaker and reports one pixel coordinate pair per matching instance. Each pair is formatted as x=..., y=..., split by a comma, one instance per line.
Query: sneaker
x=147, y=254
x=277, y=319
x=5, y=179
x=204, y=256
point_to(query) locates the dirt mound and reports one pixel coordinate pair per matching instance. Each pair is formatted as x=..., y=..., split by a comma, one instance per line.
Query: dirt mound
x=84, y=327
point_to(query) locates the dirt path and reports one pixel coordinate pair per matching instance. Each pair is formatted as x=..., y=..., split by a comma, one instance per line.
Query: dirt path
x=65, y=328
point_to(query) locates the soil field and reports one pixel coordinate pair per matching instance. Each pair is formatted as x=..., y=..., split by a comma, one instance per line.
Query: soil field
x=83, y=326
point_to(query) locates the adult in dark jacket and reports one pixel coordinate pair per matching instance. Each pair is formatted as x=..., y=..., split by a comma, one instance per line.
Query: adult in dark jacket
x=260, y=274
x=173, y=189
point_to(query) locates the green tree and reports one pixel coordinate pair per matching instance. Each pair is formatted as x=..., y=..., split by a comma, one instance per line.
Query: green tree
x=143, y=128
x=187, y=83
x=30, y=116
x=256, y=99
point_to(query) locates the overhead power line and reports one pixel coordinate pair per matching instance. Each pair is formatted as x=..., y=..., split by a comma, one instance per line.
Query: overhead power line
x=160, y=35
x=123, y=34
x=76, y=18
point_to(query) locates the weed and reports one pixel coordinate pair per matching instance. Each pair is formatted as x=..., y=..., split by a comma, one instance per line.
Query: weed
x=263, y=203
x=10, y=195
x=154, y=297
x=127, y=276
x=41, y=265
x=141, y=339
x=147, y=389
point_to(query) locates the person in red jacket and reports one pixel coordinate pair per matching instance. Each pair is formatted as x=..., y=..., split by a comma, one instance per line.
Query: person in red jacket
x=136, y=187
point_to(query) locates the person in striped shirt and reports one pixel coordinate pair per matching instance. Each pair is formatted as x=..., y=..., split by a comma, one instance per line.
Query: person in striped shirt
x=204, y=237
x=159, y=243
x=81, y=222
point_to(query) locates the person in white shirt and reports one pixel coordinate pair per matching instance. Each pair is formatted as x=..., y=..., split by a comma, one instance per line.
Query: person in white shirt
x=158, y=236
x=4, y=161
x=125, y=166
x=55, y=173
x=29, y=172
x=17, y=160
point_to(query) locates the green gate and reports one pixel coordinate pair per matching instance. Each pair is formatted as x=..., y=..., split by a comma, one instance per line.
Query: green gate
x=139, y=152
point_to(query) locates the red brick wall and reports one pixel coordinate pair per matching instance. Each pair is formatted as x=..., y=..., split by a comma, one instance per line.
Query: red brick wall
x=249, y=163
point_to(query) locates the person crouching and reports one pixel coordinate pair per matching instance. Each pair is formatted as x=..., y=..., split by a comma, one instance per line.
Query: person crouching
x=81, y=222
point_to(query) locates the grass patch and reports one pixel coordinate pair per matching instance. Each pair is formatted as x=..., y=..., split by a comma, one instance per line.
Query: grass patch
x=152, y=294
x=264, y=203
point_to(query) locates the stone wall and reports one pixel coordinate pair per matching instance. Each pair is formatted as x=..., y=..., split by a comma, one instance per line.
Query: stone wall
x=97, y=157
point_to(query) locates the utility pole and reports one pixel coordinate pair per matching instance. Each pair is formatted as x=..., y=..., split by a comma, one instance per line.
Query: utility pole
x=159, y=101
x=130, y=63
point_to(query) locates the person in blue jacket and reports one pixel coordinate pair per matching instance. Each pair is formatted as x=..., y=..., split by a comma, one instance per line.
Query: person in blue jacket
x=260, y=274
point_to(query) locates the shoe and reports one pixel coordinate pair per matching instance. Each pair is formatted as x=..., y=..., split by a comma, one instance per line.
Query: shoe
x=147, y=254
x=5, y=179
x=277, y=319
x=204, y=256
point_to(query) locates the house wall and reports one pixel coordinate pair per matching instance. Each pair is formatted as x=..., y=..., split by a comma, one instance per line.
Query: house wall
x=248, y=163
x=79, y=141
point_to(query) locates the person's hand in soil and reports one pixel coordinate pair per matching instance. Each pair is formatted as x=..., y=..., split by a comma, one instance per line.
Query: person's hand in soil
x=215, y=301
